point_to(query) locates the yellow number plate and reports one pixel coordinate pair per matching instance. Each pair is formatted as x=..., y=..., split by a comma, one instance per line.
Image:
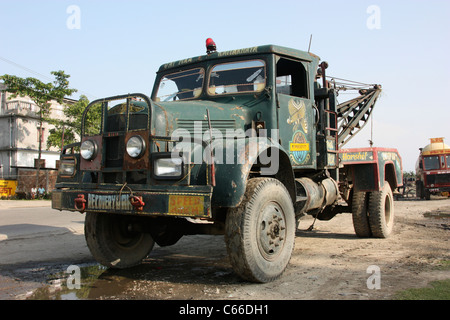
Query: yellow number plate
x=299, y=147
x=186, y=205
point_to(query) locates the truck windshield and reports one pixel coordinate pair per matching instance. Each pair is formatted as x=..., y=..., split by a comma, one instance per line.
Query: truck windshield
x=181, y=85
x=236, y=77
x=431, y=163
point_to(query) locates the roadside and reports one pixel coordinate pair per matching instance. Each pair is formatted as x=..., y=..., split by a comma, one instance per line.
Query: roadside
x=8, y=204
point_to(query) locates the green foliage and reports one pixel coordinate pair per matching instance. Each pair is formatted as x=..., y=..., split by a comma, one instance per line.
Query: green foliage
x=438, y=290
x=409, y=174
x=71, y=128
x=93, y=120
x=41, y=93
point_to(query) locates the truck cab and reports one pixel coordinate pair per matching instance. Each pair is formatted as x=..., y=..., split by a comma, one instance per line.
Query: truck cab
x=433, y=170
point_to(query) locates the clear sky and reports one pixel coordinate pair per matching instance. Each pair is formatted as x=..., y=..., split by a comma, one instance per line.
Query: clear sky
x=116, y=46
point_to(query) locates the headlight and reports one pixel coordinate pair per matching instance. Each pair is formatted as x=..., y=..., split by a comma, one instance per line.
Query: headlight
x=67, y=168
x=168, y=167
x=136, y=146
x=88, y=150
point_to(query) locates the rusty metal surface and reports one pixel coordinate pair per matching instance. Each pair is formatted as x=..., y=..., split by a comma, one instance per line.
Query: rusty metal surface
x=96, y=163
x=143, y=162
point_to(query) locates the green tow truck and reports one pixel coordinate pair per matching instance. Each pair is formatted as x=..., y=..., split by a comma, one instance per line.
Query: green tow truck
x=241, y=143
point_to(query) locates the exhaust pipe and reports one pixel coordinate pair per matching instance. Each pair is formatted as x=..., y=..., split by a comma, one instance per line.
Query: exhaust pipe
x=312, y=195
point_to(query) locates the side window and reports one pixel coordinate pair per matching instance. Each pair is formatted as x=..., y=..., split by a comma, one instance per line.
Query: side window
x=291, y=78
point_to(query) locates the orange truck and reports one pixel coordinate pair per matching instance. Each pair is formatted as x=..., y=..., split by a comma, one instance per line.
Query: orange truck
x=433, y=170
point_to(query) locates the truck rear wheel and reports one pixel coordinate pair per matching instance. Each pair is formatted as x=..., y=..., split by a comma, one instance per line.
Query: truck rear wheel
x=360, y=202
x=260, y=233
x=112, y=241
x=381, y=212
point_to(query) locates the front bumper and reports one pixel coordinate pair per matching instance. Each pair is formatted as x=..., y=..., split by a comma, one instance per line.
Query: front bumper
x=437, y=190
x=179, y=203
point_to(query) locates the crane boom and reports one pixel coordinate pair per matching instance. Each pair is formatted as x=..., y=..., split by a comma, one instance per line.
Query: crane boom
x=354, y=114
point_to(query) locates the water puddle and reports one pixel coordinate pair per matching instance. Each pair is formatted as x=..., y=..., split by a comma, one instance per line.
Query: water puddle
x=60, y=285
x=180, y=272
x=441, y=213
x=155, y=279
x=439, y=218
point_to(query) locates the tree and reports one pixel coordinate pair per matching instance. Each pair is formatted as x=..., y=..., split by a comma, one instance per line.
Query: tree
x=68, y=131
x=42, y=94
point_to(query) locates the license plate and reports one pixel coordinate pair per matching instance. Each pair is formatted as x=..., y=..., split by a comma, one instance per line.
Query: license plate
x=186, y=205
x=109, y=202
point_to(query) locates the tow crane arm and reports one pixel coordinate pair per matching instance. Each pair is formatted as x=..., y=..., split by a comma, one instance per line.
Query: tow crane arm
x=354, y=114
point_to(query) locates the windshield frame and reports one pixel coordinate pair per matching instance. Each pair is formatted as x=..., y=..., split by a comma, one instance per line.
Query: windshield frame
x=196, y=92
x=259, y=86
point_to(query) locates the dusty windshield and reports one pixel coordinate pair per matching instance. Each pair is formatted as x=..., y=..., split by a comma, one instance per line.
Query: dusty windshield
x=237, y=77
x=431, y=163
x=181, y=85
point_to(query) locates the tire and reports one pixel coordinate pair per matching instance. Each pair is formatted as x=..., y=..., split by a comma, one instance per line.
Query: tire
x=381, y=212
x=112, y=244
x=260, y=233
x=360, y=202
x=419, y=190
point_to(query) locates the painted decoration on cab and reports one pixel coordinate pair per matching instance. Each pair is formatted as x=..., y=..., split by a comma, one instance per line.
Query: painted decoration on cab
x=297, y=112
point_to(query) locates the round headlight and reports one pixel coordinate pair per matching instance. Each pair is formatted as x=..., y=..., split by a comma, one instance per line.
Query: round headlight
x=135, y=146
x=88, y=150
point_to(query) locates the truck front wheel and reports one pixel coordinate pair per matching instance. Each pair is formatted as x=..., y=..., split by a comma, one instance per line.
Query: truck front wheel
x=112, y=241
x=260, y=233
x=381, y=212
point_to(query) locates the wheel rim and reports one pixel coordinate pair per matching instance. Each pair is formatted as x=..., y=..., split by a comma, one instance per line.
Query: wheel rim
x=387, y=210
x=123, y=235
x=272, y=231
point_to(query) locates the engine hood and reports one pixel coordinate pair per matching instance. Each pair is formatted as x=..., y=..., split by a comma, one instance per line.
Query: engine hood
x=192, y=115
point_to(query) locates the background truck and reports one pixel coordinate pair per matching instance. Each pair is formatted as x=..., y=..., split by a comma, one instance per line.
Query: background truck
x=433, y=170
x=241, y=143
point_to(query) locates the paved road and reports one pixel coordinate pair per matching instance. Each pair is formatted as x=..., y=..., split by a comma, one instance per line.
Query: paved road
x=28, y=219
x=33, y=239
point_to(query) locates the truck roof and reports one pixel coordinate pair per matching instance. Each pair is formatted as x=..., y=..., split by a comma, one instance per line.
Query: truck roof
x=270, y=48
x=437, y=146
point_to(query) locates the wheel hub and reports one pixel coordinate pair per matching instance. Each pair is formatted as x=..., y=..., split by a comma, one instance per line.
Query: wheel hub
x=272, y=231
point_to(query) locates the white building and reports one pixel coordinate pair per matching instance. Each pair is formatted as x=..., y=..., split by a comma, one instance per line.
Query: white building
x=19, y=135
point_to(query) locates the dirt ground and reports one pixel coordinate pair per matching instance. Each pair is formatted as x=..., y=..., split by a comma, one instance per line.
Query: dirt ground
x=328, y=263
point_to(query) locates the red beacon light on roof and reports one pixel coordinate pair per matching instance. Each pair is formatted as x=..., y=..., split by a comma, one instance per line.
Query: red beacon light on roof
x=210, y=46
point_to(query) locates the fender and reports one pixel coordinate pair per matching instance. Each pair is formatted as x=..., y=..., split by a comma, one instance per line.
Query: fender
x=234, y=160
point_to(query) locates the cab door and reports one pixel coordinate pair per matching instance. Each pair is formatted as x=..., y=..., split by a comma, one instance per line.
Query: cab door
x=295, y=112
